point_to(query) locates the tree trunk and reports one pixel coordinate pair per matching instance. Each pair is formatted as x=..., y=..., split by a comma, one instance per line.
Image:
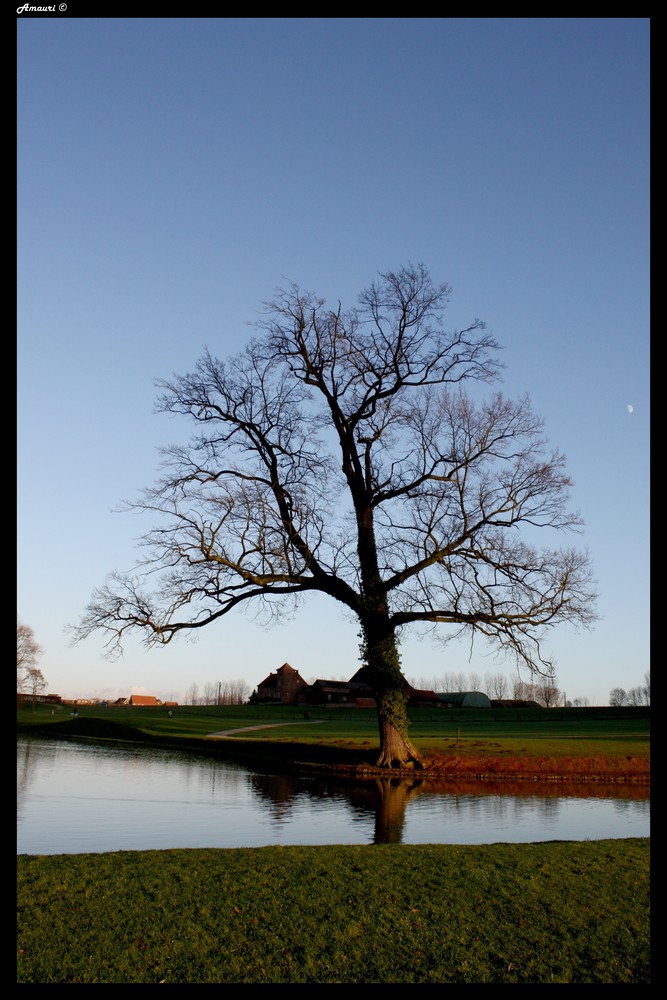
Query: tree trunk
x=380, y=652
x=396, y=750
x=393, y=797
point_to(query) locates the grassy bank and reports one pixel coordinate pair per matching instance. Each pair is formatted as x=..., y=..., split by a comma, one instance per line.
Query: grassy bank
x=530, y=913
x=576, y=744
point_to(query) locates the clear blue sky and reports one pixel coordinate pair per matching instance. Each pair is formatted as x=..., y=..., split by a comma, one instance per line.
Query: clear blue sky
x=172, y=172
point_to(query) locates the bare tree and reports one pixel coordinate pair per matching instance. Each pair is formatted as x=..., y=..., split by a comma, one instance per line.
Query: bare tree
x=618, y=697
x=28, y=652
x=35, y=684
x=209, y=693
x=235, y=692
x=497, y=686
x=423, y=683
x=339, y=454
x=547, y=695
x=522, y=690
x=453, y=681
x=192, y=694
x=637, y=696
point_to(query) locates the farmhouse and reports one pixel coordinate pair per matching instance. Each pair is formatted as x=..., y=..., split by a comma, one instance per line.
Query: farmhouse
x=281, y=687
x=286, y=686
x=350, y=694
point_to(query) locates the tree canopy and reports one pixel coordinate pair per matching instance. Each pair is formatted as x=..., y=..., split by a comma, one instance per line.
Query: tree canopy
x=351, y=452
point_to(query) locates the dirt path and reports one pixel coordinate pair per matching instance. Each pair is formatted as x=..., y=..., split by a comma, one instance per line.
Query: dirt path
x=269, y=725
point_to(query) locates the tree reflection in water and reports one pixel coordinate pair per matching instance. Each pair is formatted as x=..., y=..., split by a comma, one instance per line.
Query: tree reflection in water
x=387, y=798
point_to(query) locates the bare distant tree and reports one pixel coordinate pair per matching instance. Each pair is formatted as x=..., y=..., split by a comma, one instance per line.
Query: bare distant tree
x=338, y=454
x=192, y=695
x=497, y=686
x=35, y=684
x=522, y=690
x=474, y=682
x=235, y=692
x=547, y=695
x=647, y=687
x=637, y=696
x=618, y=697
x=28, y=652
x=424, y=683
x=579, y=703
x=453, y=681
x=210, y=693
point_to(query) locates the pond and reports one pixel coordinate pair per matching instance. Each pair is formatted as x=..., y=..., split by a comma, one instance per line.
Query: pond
x=75, y=798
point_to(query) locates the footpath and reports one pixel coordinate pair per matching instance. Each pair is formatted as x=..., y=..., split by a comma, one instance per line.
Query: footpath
x=270, y=725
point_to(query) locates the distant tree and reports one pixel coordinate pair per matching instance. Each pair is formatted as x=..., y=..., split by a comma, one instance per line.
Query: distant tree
x=522, y=690
x=338, y=454
x=210, y=693
x=237, y=692
x=474, y=681
x=192, y=695
x=547, y=695
x=579, y=703
x=647, y=687
x=618, y=697
x=35, y=684
x=638, y=696
x=497, y=686
x=423, y=683
x=452, y=682
x=28, y=652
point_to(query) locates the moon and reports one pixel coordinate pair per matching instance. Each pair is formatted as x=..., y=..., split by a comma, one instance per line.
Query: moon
x=630, y=408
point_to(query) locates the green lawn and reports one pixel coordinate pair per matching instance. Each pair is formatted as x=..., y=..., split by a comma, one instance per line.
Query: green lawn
x=504, y=913
x=554, y=733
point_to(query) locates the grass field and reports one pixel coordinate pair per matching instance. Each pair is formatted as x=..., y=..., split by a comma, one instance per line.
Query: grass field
x=504, y=913
x=567, y=743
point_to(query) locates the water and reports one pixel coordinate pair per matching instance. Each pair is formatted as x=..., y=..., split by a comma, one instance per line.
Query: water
x=75, y=799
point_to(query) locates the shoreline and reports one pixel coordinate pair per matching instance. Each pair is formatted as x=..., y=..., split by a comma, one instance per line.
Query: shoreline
x=349, y=763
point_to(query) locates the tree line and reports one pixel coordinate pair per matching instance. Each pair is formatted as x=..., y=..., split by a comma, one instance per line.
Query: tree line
x=640, y=695
x=236, y=692
x=496, y=686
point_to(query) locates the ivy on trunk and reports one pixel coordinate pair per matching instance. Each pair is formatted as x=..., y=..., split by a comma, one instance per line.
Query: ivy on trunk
x=383, y=673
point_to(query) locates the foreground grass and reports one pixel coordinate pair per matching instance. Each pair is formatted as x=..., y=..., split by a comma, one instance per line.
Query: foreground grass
x=505, y=913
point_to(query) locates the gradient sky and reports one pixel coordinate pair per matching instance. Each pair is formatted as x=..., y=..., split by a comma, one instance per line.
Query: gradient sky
x=173, y=172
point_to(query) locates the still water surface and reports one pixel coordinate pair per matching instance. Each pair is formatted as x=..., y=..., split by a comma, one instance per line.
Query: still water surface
x=75, y=799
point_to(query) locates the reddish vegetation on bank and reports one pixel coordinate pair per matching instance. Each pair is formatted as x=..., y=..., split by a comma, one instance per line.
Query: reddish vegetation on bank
x=541, y=768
